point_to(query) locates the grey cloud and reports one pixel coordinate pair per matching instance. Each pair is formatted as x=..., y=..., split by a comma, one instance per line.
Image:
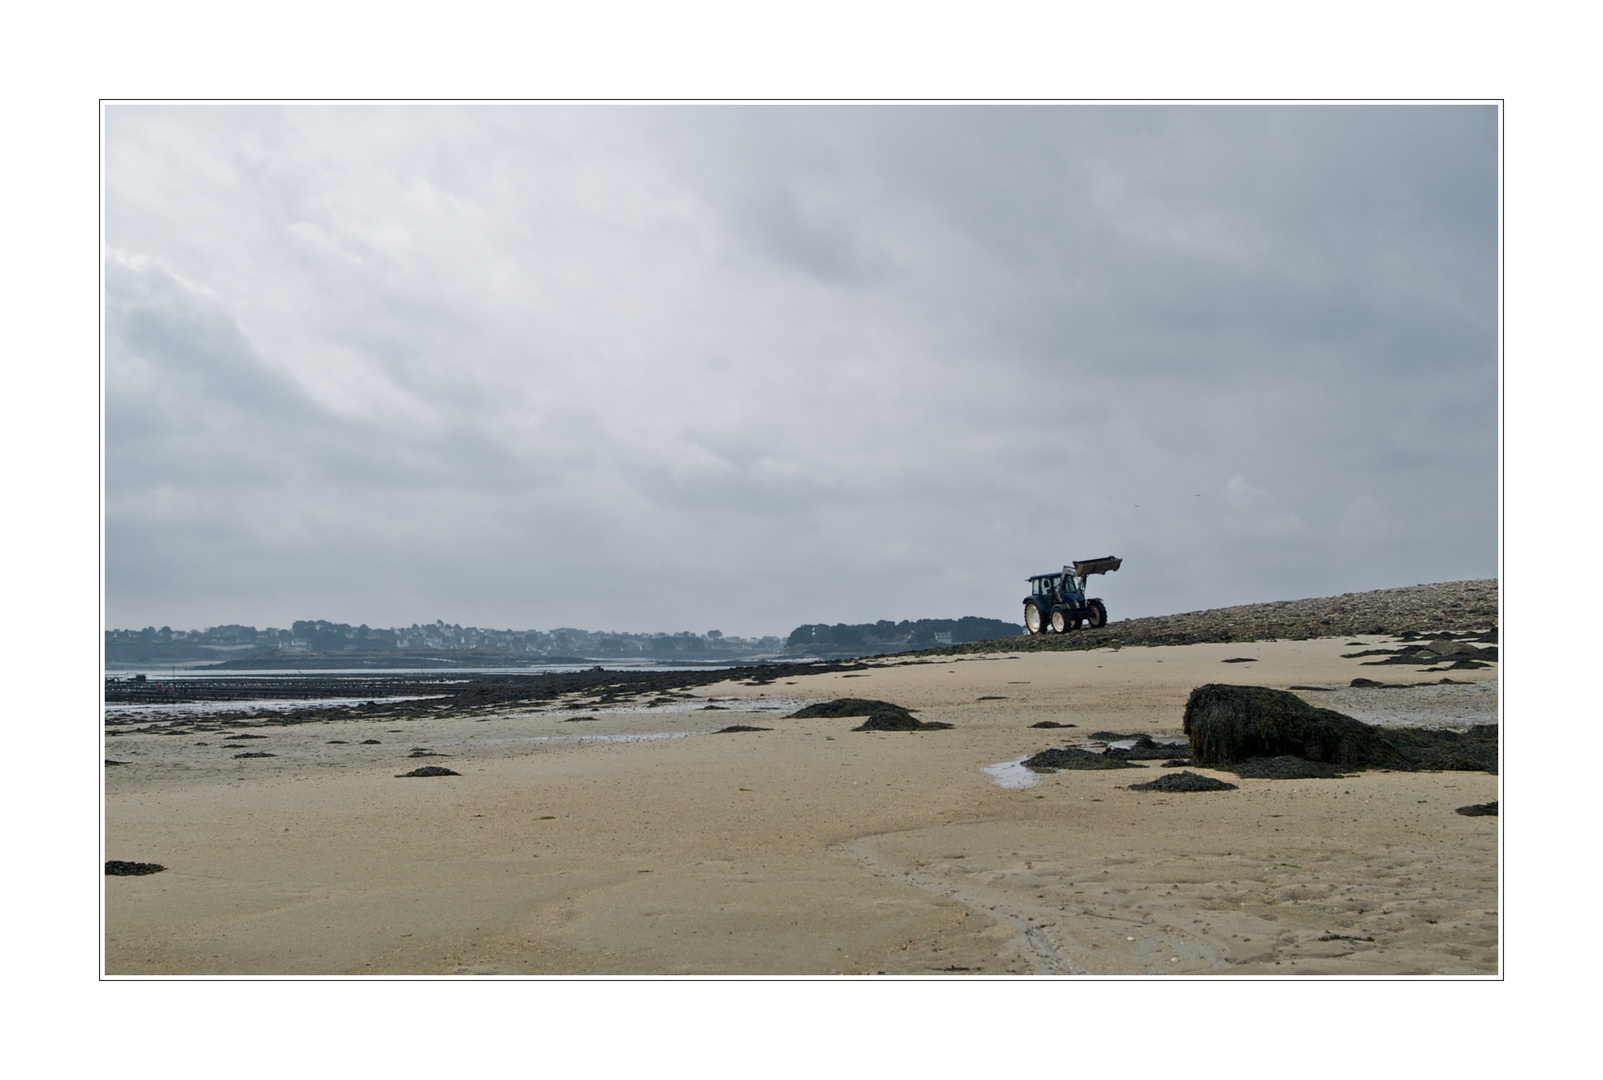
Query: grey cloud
x=774, y=364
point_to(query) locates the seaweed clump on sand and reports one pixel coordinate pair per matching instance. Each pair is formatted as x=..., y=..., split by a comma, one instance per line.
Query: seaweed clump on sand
x=1285, y=767
x=882, y=715
x=1184, y=781
x=1074, y=758
x=847, y=706
x=1235, y=724
x=1485, y=809
x=428, y=770
x=898, y=721
x=119, y=868
x=1052, y=723
x=1434, y=750
x=1143, y=750
x=739, y=727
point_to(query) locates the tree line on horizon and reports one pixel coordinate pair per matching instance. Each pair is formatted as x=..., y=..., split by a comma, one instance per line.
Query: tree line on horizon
x=886, y=635
x=233, y=641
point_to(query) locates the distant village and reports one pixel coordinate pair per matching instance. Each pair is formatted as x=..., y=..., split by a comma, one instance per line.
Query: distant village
x=237, y=643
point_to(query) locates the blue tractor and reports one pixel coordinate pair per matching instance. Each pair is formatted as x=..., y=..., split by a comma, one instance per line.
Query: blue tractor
x=1057, y=602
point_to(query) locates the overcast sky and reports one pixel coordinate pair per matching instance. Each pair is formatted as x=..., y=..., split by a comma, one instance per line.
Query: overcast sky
x=669, y=367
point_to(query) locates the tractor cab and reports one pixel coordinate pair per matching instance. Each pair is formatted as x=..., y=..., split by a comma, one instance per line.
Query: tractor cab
x=1057, y=588
x=1046, y=586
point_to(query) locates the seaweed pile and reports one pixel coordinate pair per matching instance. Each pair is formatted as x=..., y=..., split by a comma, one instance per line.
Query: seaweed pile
x=847, y=706
x=889, y=721
x=1453, y=650
x=1114, y=757
x=1231, y=726
x=1285, y=767
x=119, y=868
x=1143, y=750
x=882, y=715
x=428, y=770
x=1074, y=757
x=1183, y=781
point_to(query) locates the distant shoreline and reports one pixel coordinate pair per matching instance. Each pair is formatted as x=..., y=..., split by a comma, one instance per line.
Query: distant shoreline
x=1454, y=606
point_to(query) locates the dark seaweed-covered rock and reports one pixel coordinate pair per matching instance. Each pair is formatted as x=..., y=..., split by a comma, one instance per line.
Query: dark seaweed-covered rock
x=1285, y=767
x=713, y=708
x=1052, y=723
x=1239, y=660
x=1114, y=736
x=1183, y=781
x=1437, y=750
x=1233, y=723
x=369, y=742
x=111, y=762
x=428, y=770
x=245, y=735
x=739, y=727
x=1075, y=758
x=118, y=868
x=337, y=742
x=901, y=720
x=419, y=751
x=1175, y=763
x=576, y=719
x=1487, y=809
x=851, y=706
x=255, y=753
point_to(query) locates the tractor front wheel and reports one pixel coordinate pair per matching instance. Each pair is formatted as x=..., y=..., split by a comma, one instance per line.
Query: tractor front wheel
x=1032, y=619
x=1098, y=616
x=1060, y=622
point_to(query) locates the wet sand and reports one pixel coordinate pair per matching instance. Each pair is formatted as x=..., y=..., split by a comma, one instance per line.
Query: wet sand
x=640, y=843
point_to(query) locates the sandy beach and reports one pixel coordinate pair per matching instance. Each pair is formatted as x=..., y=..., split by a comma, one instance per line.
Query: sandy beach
x=643, y=842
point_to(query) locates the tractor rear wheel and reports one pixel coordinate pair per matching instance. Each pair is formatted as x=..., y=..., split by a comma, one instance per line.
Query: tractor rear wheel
x=1032, y=619
x=1098, y=616
x=1060, y=622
